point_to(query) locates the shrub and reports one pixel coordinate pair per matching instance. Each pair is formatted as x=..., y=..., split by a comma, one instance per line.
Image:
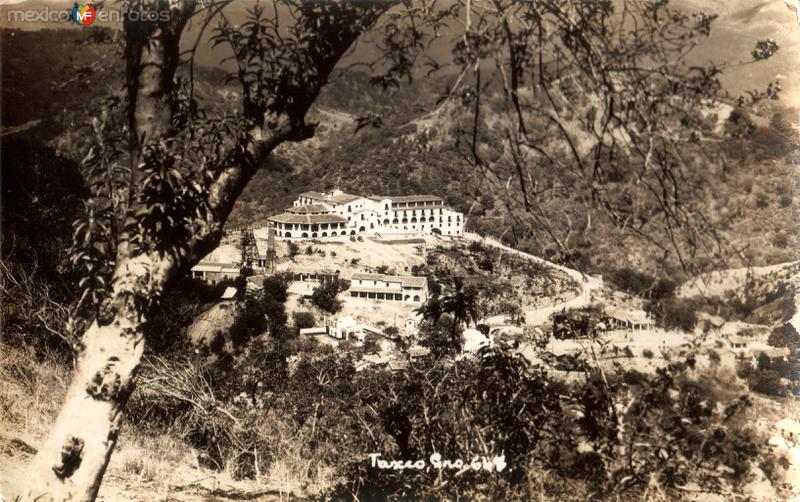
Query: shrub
x=293, y=250
x=325, y=297
x=784, y=336
x=767, y=381
x=303, y=320
x=647, y=353
x=372, y=343
x=632, y=281
x=443, y=338
x=675, y=313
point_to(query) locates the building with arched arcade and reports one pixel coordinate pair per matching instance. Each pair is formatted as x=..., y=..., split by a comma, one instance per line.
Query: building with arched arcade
x=336, y=214
x=388, y=287
x=309, y=222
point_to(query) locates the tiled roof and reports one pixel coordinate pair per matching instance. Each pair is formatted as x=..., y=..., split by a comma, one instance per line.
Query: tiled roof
x=363, y=276
x=414, y=282
x=313, y=195
x=213, y=267
x=407, y=281
x=415, y=198
x=308, y=208
x=631, y=316
x=343, y=198
x=298, y=269
x=415, y=206
x=307, y=218
x=773, y=352
x=337, y=198
x=374, y=289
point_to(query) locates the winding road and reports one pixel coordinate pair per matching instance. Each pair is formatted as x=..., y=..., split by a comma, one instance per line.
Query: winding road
x=541, y=315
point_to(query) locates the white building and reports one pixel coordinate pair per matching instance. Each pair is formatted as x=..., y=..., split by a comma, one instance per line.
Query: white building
x=336, y=214
x=389, y=287
x=474, y=341
x=215, y=272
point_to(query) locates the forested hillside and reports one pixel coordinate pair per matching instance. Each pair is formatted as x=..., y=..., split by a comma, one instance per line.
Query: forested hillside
x=410, y=140
x=409, y=143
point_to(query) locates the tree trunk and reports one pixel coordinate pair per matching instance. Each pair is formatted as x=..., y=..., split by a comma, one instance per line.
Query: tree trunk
x=71, y=462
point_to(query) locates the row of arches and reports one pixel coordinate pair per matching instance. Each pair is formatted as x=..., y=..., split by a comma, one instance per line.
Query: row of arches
x=314, y=235
x=373, y=295
x=343, y=233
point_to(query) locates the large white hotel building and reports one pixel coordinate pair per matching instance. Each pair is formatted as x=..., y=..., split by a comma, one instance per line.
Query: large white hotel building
x=319, y=215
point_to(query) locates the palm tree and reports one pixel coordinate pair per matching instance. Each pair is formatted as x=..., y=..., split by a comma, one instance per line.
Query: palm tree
x=431, y=310
x=458, y=300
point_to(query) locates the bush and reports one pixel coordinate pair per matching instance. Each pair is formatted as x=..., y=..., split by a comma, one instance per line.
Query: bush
x=325, y=297
x=443, y=338
x=785, y=336
x=303, y=320
x=293, y=250
x=766, y=381
x=632, y=281
x=675, y=313
x=647, y=353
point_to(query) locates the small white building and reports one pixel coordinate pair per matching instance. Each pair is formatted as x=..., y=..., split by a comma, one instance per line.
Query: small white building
x=474, y=340
x=789, y=430
x=631, y=320
x=774, y=354
x=739, y=345
x=215, y=272
x=229, y=294
x=345, y=328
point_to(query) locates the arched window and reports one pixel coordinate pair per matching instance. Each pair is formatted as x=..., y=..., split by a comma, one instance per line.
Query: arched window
x=287, y=234
x=324, y=234
x=405, y=220
x=305, y=235
x=386, y=221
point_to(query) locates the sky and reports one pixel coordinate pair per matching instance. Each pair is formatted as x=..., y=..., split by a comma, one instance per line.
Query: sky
x=740, y=25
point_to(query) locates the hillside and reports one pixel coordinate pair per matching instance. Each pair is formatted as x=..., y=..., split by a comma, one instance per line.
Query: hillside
x=407, y=141
x=416, y=149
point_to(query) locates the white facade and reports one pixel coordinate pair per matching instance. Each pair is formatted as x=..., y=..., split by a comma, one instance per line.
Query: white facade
x=337, y=214
x=388, y=287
